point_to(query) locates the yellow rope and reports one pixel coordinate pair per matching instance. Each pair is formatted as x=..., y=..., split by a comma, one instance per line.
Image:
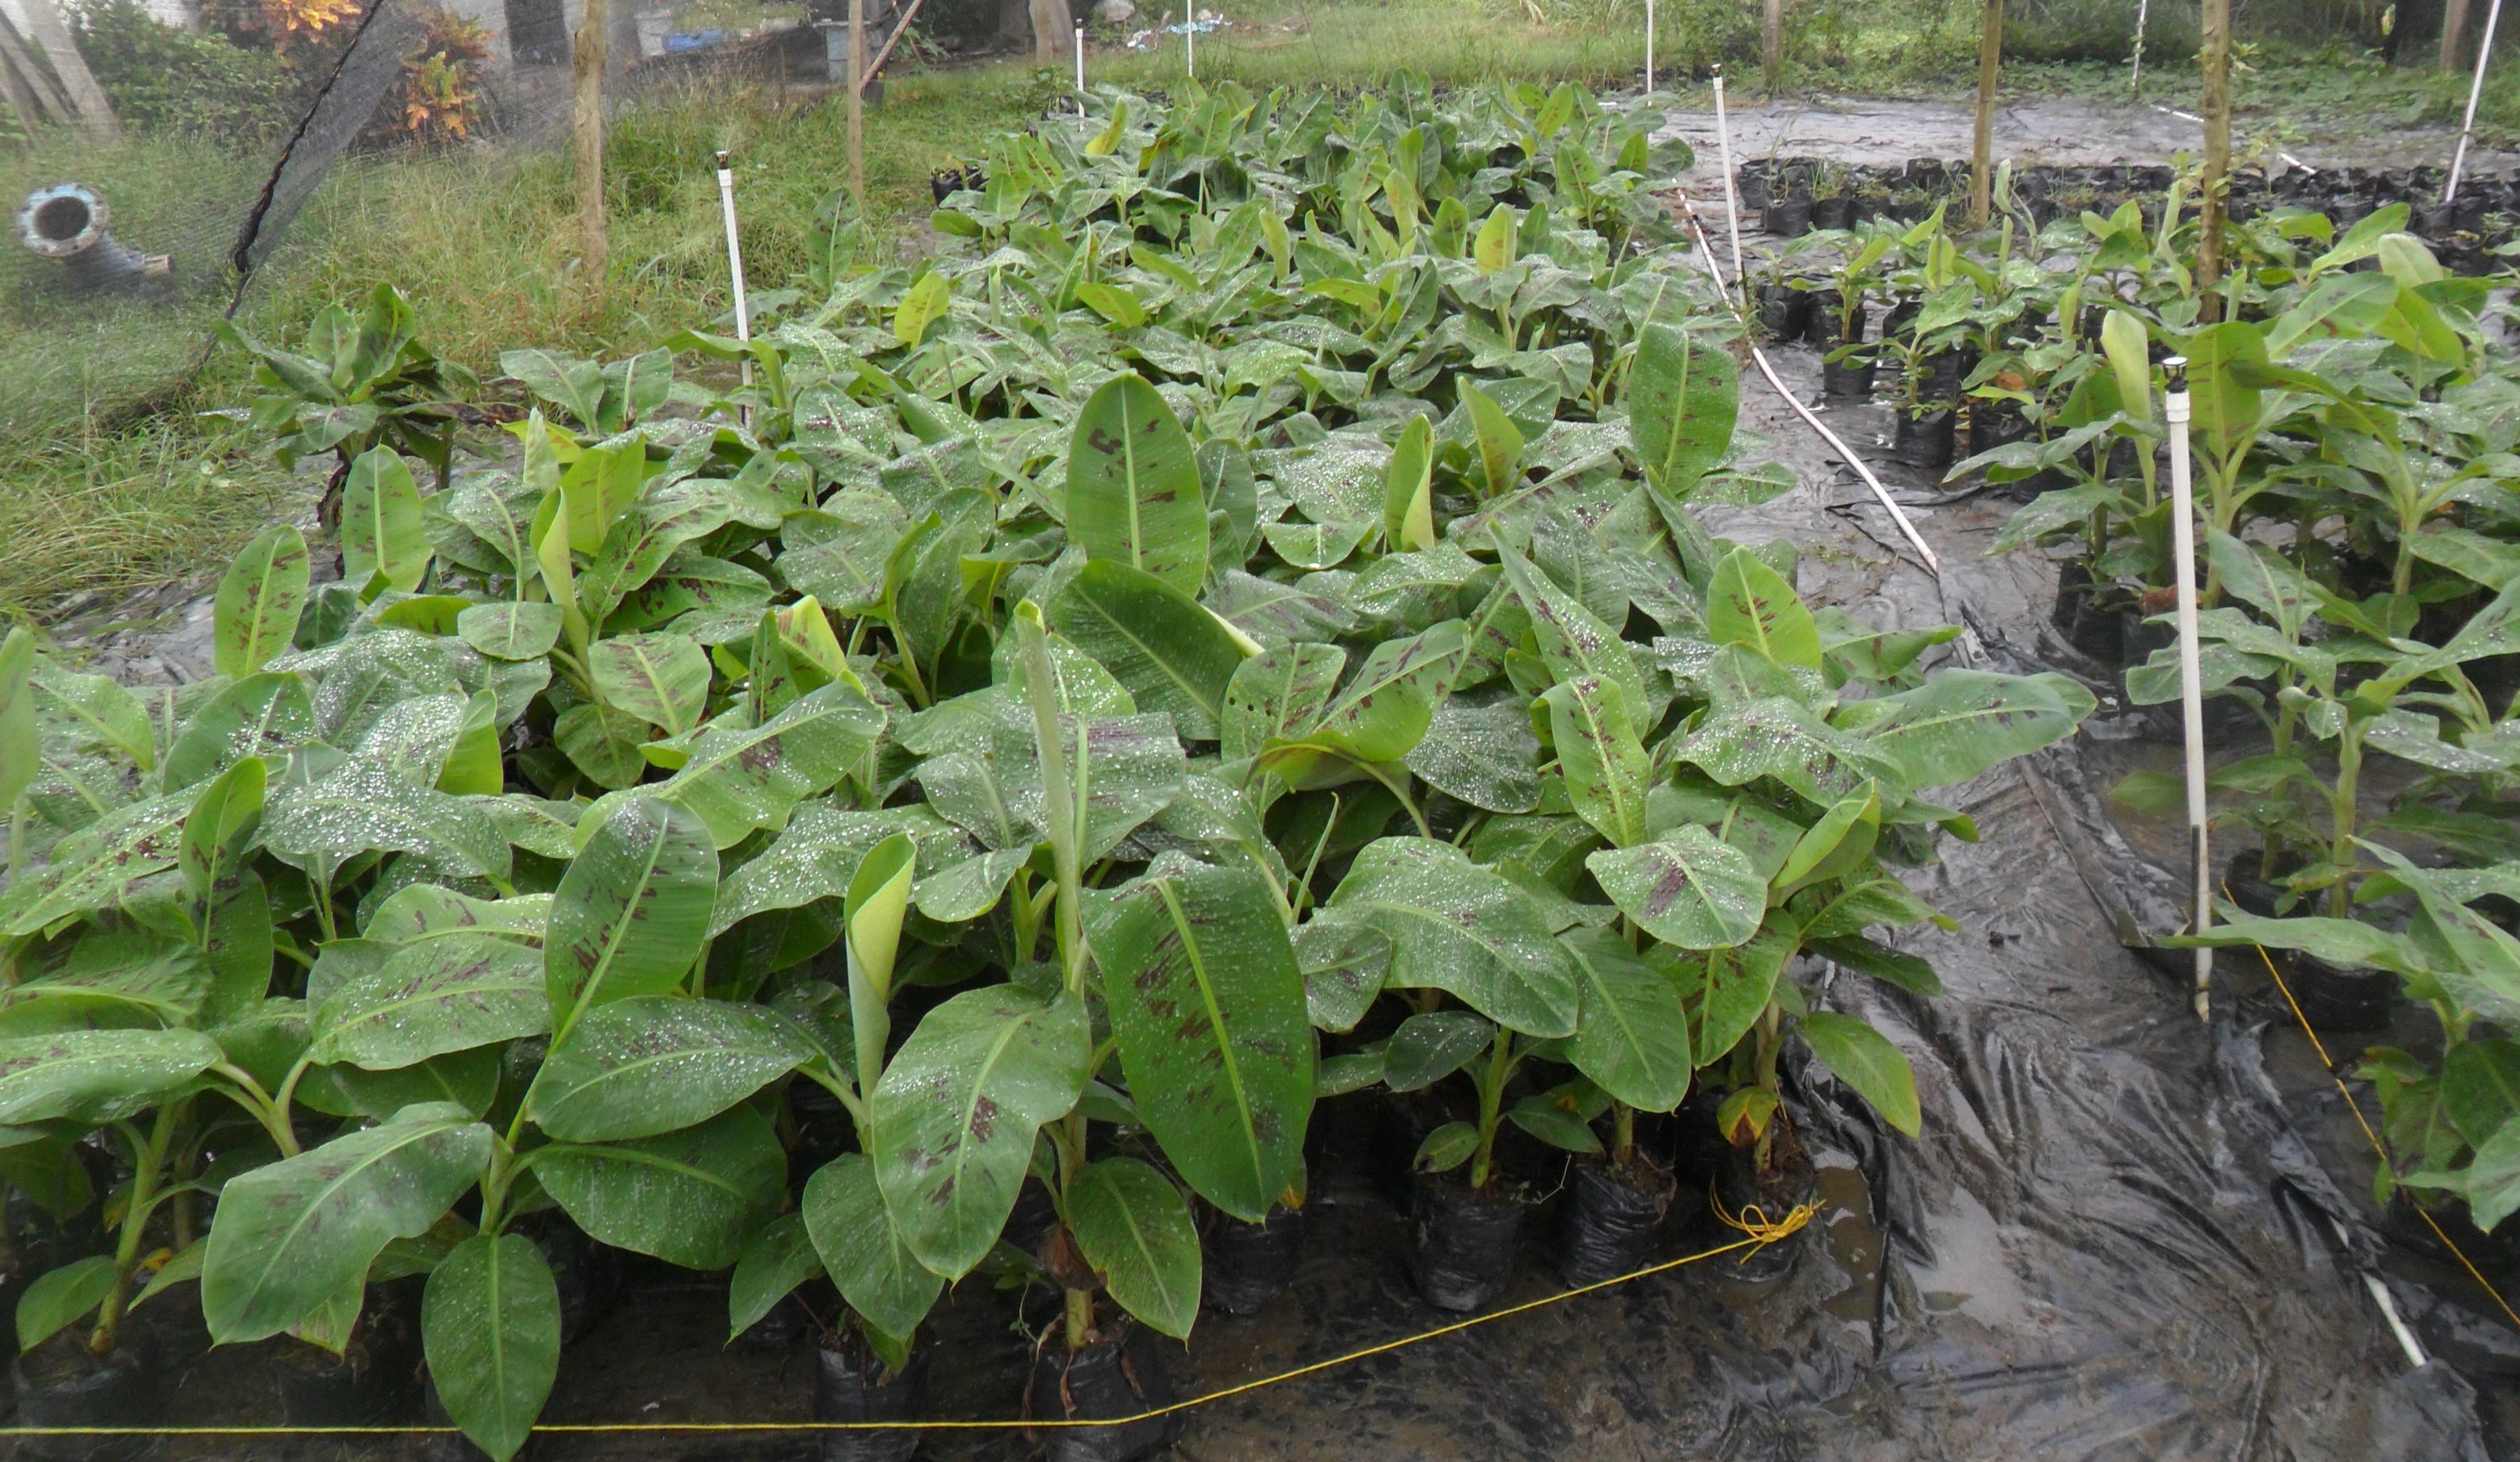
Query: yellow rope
x=1750, y=1222
x=2379, y=1145
x=1753, y=1222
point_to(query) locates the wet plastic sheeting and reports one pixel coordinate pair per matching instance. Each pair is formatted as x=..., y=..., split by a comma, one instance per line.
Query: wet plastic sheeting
x=2116, y=1238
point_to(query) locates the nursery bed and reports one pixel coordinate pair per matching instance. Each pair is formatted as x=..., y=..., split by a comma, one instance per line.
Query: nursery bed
x=2111, y=1241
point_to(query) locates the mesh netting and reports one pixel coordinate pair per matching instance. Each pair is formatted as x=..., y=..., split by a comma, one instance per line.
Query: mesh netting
x=174, y=146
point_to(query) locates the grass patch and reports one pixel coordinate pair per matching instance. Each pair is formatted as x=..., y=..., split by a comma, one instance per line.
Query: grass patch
x=114, y=510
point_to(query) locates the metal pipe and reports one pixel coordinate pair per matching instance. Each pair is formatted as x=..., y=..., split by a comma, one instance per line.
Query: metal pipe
x=2176, y=410
x=67, y=221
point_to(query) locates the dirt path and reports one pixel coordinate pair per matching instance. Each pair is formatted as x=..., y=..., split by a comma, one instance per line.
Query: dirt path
x=2041, y=129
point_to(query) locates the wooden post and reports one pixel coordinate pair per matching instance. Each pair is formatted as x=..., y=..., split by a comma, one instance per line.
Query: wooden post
x=1772, y=42
x=856, y=104
x=591, y=54
x=1990, y=62
x=2453, y=34
x=2215, y=185
x=47, y=29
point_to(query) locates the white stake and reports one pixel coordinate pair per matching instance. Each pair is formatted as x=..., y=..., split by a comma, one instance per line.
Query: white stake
x=1080, y=59
x=2475, y=88
x=1732, y=200
x=1648, y=45
x=735, y=272
x=1189, y=44
x=2176, y=411
x=2142, y=9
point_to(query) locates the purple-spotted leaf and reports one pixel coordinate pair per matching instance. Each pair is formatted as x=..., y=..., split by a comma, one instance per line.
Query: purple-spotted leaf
x=1682, y=402
x=433, y=997
x=740, y=779
x=636, y=1068
x=1605, y=766
x=862, y=1249
x=1964, y=722
x=687, y=1197
x=1631, y=1038
x=490, y=1324
x=1573, y=641
x=632, y=913
x=1207, y=1004
x=1687, y=890
x=291, y=1235
x=1458, y=926
x=953, y=1117
x=1133, y=489
x=259, y=602
x=1750, y=604
x=1133, y=1228
x=1381, y=714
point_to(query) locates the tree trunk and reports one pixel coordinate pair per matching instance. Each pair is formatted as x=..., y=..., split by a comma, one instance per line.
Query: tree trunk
x=592, y=53
x=2216, y=65
x=1990, y=64
x=2453, y=34
x=1772, y=42
x=1051, y=31
x=2414, y=33
x=46, y=28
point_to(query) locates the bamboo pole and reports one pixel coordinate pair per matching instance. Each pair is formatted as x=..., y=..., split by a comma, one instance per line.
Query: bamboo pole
x=1990, y=62
x=856, y=104
x=2215, y=185
x=2142, y=13
x=591, y=54
x=48, y=31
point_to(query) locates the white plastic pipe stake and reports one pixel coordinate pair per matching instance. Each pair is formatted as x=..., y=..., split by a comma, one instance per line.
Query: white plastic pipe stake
x=735, y=272
x=2475, y=89
x=1732, y=200
x=1190, y=45
x=2143, y=12
x=1648, y=45
x=1080, y=59
x=2176, y=412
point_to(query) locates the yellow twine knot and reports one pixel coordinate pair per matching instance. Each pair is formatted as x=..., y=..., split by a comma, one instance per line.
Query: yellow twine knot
x=1753, y=1222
